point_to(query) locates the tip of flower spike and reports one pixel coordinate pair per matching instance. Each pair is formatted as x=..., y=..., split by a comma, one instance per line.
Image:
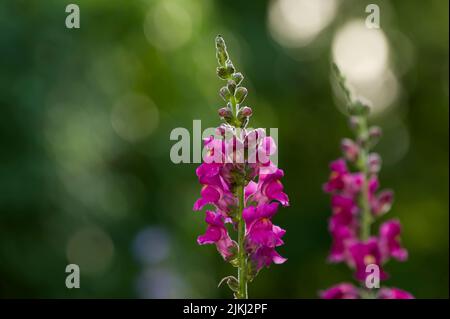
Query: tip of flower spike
x=220, y=42
x=222, y=57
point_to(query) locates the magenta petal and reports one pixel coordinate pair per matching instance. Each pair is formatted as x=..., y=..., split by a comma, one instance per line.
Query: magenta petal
x=250, y=189
x=274, y=190
x=268, y=210
x=264, y=256
x=340, y=291
x=262, y=233
x=211, y=236
x=217, y=234
x=249, y=214
x=373, y=184
x=210, y=194
x=279, y=232
x=339, y=166
x=341, y=236
x=199, y=204
x=382, y=203
x=390, y=241
x=278, y=259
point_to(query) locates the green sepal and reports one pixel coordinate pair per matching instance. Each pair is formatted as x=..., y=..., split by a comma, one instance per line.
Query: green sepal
x=231, y=85
x=240, y=94
x=237, y=77
x=232, y=283
x=222, y=72
x=225, y=93
x=230, y=68
x=252, y=271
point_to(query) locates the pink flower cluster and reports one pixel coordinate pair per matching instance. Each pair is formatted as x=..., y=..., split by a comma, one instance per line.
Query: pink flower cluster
x=345, y=225
x=227, y=164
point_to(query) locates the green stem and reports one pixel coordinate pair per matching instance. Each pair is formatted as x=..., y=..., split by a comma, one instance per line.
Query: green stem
x=242, y=270
x=366, y=216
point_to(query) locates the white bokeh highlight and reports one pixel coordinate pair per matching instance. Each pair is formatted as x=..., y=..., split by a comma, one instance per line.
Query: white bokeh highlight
x=362, y=54
x=296, y=23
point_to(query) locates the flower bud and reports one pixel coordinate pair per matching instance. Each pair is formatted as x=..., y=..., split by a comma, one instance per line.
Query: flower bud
x=350, y=149
x=354, y=122
x=374, y=163
x=222, y=72
x=230, y=67
x=374, y=135
x=246, y=111
x=225, y=113
x=231, y=85
x=221, y=52
x=225, y=93
x=222, y=57
x=360, y=107
x=240, y=94
x=243, y=116
x=237, y=77
x=220, y=43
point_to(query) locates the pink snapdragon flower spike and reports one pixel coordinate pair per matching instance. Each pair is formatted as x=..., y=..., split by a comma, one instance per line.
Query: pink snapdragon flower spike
x=240, y=185
x=356, y=202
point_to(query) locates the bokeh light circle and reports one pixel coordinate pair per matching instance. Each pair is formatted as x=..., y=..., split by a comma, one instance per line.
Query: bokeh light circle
x=295, y=23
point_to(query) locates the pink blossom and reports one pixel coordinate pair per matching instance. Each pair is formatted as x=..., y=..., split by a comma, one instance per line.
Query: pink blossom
x=215, y=190
x=264, y=256
x=217, y=234
x=350, y=149
x=341, y=235
x=270, y=188
x=341, y=180
x=263, y=193
x=344, y=208
x=390, y=241
x=381, y=203
x=363, y=254
x=259, y=228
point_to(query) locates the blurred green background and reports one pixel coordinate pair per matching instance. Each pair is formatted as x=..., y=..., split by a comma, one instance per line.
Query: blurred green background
x=85, y=173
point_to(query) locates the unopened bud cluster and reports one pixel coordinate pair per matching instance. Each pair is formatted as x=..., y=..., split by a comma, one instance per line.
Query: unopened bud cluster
x=232, y=93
